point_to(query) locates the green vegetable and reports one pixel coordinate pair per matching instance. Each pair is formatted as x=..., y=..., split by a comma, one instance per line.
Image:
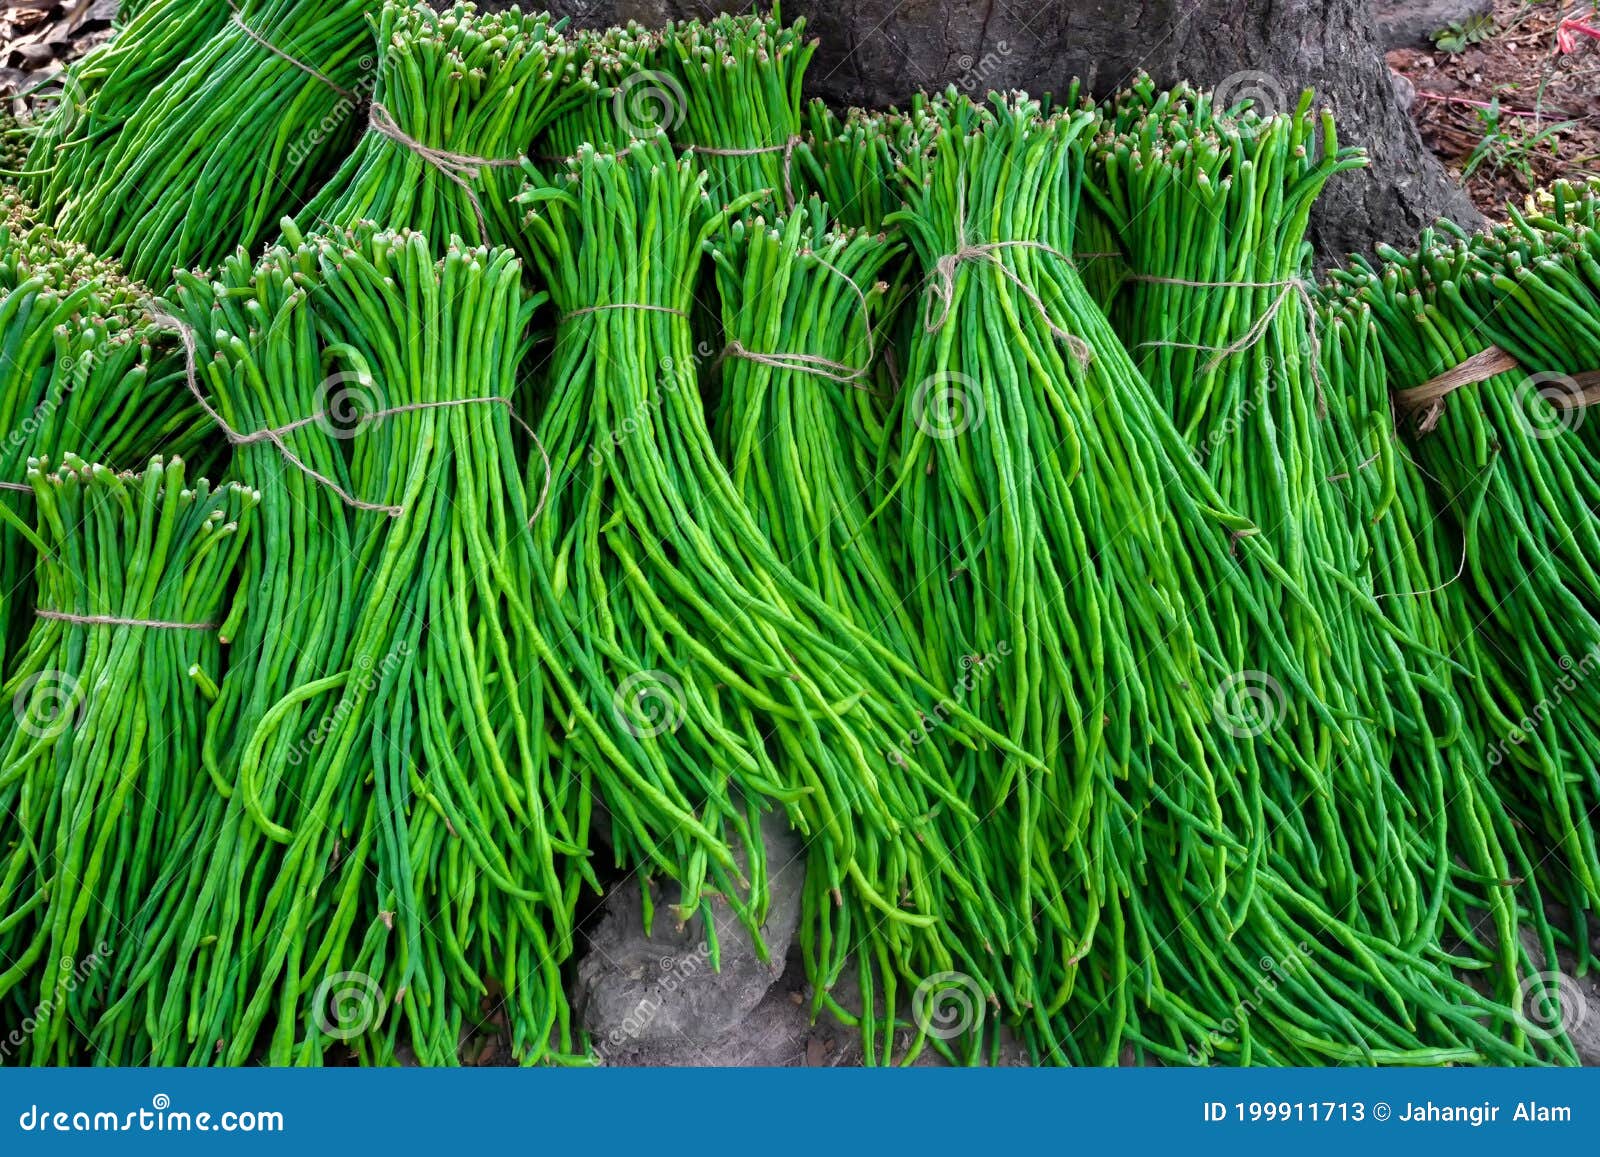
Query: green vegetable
x=84, y=370
x=460, y=98
x=1517, y=473
x=104, y=88
x=1412, y=555
x=97, y=765
x=798, y=419
x=983, y=486
x=207, y=158
x=851, y=163
x=1072, y=518
x=737, y=93
x=619, y=95
x=1210, y=207
x=388, y=810
x=650, y=546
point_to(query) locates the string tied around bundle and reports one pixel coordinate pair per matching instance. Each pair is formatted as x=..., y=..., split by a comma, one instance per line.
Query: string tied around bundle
x=277, y=435
x=118, y=621
x=815, y=364
x=1288, y=289
x=941, y=282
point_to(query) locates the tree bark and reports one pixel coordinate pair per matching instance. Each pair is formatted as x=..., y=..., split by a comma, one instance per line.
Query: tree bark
x=877, y=52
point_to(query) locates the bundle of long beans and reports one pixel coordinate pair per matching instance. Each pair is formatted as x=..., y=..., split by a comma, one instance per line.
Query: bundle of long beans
x=460, y=98
x=1073, y=519
x=1210, y=207
x=620, y=95
x=1534, y=289
x=394, y=822
x=798, y=422
x=1533, y=286
x=210, y=157
x=107, y=85
x=81, y=369
x=260, y=363
x=741, y=114
x=859, y=167
x=97, y=770
x=672, y=585
x=742, y=77
x=1519, y=477
x=1410, y=554
x=851, y=163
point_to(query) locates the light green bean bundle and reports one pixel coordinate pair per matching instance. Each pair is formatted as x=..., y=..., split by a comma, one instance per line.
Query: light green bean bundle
x=1409, y=551
x=798, y=419
x=98, y=766
x=1518, y=474
x=859, y=167
x=1210, y=207
x=208, y=159
x=677, y=595
x=396, y=836
x=740, y=79
x=621, y=95
x=460, y=98
x=105, y=87
x=1063, y=510
x=801, y=427
x=260, y=363
x=81, y=369
x=851, y=163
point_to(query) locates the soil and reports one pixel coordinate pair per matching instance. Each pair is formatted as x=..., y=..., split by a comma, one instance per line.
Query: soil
x=38, y=38
x=1512, y=112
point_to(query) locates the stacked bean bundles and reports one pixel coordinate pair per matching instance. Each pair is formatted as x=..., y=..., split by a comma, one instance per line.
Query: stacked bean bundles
x=1161, y=658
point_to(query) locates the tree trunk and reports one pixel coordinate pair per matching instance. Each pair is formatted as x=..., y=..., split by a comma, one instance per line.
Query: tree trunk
x=877, y=52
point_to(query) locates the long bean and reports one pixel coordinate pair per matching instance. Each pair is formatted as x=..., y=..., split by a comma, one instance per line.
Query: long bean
x=97, y=770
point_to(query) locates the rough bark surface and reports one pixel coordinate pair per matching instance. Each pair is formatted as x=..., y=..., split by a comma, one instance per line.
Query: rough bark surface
x=877, y=52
